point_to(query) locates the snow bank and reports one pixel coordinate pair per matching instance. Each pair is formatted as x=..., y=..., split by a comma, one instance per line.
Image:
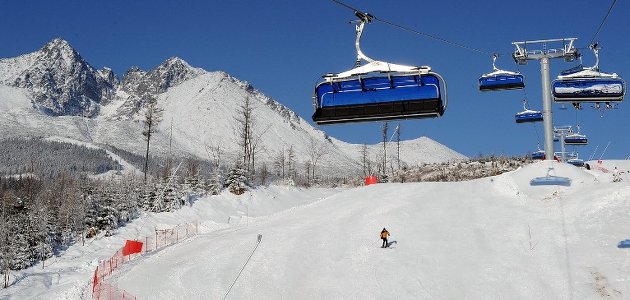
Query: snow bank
x=522, y=177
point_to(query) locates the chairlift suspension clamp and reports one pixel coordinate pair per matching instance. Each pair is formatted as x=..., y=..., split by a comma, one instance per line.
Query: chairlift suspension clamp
x=364, y=18
x=595, y=49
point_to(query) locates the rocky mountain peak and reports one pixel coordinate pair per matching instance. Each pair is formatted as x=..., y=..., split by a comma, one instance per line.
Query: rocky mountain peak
x=141, y=85
x=58, y=45
x=59, y=54
x=175, y=62
x=60, y=81
x=171, y=72
x=134, y=74
x=109, y=75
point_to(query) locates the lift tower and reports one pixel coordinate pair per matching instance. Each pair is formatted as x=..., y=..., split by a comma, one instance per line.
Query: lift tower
x=543, y=53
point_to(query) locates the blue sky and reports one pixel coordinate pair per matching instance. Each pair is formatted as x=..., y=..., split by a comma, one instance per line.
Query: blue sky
x=283, y=47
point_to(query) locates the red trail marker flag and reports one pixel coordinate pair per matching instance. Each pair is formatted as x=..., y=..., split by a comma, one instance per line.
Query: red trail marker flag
x=132, y=247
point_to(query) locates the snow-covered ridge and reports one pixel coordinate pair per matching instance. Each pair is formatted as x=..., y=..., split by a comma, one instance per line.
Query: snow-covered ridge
x=273, y=104
x=10, y=68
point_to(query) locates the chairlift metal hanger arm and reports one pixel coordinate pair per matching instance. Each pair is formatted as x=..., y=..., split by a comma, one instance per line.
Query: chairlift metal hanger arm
x=372, y=65
x=363, y=19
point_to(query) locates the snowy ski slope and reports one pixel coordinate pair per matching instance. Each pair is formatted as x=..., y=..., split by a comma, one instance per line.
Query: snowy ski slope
x=491, y=238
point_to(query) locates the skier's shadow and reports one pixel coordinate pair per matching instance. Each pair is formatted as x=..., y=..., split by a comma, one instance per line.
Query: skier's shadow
x=391, y=243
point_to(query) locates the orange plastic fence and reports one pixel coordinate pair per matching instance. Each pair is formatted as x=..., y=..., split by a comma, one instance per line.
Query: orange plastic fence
x=161, y=239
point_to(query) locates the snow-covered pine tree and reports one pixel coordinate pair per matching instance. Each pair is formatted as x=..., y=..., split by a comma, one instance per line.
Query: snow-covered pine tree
x=40, y=226
x=236, y=181
x=107, y=216
x=90, y=211
x=21, y=251
x=193, y=182
x=168, y=194
x=148, y=197
x=126, y=199
x=216, y=184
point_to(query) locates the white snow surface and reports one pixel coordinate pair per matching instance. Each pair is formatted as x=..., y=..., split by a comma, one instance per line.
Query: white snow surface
x=490, y=238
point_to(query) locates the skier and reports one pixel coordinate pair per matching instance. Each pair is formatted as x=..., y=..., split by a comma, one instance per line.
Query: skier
x=384, y=235
x=616, y=175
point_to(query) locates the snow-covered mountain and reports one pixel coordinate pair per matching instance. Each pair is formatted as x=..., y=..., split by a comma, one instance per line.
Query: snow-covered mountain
x=55, y=92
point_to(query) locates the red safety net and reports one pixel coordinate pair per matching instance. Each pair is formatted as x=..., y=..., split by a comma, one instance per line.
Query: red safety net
x=161, y=239
x=601, y=167
x=371, y=180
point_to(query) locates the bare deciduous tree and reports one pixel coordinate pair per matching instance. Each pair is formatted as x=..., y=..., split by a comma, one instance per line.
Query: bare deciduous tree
x=248, y=140
x=279, y=163
x=316, y=150
x=366, y=163
x=244, y=127
x=398, y=145
x=215, y=153
x=71, y=213
x=6, y=251
x=291, y=167
x=152, y=116
x=384, y=129
x=192, y=167
x=264, y=174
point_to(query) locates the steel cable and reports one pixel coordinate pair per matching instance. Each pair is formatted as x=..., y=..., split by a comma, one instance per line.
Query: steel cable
x=431, y=36
x=603, y=21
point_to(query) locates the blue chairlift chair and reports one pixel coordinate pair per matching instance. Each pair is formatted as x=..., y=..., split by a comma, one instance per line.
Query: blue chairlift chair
x=378, y=91
x=588, y=85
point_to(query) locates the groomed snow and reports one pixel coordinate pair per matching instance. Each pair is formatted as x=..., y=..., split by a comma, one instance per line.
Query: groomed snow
x=491, y=238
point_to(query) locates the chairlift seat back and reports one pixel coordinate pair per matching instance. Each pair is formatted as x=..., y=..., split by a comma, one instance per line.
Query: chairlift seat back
x=500, y=82
x=389, y=97
x=576, y=140
x=587, y=90
x=529, y=117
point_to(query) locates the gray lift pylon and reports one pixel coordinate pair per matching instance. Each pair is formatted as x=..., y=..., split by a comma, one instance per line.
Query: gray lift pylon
x=522, y=54
x=560, y=133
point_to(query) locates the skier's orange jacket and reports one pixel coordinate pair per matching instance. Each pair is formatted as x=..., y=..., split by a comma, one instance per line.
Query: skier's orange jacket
x=384, y=234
